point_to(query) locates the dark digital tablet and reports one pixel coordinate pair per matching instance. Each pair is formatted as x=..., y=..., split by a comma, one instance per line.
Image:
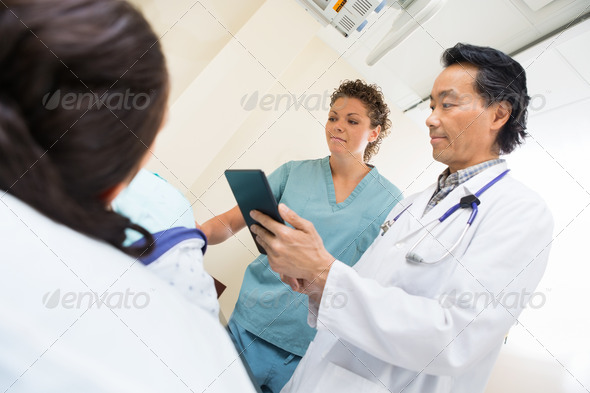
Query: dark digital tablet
x=252, y=192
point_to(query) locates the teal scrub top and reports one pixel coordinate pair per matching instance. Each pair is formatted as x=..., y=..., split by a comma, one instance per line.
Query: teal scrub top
x=266, y=306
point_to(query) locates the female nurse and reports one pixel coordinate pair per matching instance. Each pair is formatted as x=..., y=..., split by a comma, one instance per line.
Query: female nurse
x=345, y=197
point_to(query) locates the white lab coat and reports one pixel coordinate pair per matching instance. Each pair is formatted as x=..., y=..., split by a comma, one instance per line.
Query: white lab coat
x=146, y=337
x=387, y=325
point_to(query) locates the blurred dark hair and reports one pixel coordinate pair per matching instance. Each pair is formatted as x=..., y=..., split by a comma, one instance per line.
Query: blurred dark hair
x=377, y=110
x=63, y=160
x=499, y=78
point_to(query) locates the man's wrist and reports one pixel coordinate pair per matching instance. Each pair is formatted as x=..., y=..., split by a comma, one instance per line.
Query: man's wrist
x=320, y=276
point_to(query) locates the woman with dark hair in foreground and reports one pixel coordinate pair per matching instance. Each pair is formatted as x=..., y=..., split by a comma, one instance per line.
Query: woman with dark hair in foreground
x=83, y=91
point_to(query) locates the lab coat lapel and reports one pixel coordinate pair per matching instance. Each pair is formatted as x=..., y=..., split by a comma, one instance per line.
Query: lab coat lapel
x=475, y=184
x=469, y=187
x=412, y=220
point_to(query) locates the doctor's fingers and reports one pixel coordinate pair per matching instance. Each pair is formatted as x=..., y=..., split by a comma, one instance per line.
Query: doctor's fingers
x=292, y=218
x=268, y=223
x=295, y=283
x=263, y=235
x=269, y=242
x=277, y=264
x=276, y=253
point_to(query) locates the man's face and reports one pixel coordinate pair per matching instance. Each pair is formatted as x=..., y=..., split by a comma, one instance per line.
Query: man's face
x=460, y=123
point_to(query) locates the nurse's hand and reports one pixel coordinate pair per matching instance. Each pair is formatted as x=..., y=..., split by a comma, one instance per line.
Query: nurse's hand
x=296, y=252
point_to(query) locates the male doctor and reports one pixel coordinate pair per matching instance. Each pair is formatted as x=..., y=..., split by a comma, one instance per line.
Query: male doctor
x=426, y=307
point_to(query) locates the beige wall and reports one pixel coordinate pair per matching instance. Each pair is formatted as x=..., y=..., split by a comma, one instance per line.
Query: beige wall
x=235, y=68
x=233, y=65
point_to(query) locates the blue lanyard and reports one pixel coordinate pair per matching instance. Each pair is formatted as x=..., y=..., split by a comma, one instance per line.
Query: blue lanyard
x=471, y=200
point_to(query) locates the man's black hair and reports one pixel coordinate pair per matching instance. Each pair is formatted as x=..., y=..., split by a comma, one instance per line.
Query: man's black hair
x=499, y=78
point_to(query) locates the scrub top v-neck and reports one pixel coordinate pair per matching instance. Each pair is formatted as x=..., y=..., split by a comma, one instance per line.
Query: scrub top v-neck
x=266, y=306
x=332, y=190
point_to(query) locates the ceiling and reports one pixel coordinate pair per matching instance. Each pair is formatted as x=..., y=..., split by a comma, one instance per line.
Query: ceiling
x=406, y=72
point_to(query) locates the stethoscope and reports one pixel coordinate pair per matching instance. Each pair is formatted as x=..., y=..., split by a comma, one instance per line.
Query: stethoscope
x=467, y=201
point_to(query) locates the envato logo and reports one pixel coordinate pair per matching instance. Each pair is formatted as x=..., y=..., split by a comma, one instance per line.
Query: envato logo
x=533, y=103
x=92, y=101
x=507, y=300
x=276, y=102
x=537, y=102
x=315, y=101
x=87, y=299
x=271, y=299
x=468, y=101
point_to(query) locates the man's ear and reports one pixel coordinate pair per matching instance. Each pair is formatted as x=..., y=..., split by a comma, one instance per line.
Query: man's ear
x=502, y=112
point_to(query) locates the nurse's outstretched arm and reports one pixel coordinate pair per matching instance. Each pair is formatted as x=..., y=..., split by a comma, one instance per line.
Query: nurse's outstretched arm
x=222, y=227
x=296, y=252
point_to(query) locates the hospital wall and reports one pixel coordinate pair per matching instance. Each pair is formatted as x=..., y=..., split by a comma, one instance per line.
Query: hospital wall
x=257, y=101
x=234, y=66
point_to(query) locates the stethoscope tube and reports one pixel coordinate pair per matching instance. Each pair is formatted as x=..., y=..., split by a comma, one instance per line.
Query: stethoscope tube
x=465, y=202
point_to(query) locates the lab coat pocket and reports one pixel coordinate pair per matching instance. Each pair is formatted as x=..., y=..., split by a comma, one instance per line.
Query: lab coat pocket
x=339, y=379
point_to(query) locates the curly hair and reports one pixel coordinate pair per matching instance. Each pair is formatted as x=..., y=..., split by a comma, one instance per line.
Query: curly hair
x=374, y=101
